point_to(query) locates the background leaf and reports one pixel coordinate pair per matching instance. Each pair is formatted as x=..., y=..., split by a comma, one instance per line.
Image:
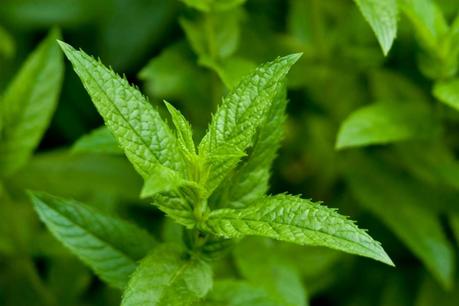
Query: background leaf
x=28, y=104
x=397, y=201
x=382, y=17
x=383, y=123
x=111, y=247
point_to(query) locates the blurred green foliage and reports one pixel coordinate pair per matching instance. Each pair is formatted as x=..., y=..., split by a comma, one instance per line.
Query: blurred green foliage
x=370, y=134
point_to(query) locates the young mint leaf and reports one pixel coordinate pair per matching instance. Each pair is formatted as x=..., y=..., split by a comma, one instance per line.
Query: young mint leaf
x=28, y=104
x=238, y=293
x=138, y=127
x=250, y=181
x=448, y=92
x=403, y=207
x=296, y=220
x=219, y=164
x=168, y=277
x=242, y=111
x=183, y=128
x=386, y=122
x=244, y=108
x=163, y=180
x=176, y=207
x=99, y=140
x=110, y=246
x=382, y=17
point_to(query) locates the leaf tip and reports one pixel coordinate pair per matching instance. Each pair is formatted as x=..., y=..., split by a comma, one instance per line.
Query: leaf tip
x=66, y=48
x=293, y=58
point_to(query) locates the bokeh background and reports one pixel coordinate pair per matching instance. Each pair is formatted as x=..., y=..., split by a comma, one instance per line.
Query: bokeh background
x=403, y=189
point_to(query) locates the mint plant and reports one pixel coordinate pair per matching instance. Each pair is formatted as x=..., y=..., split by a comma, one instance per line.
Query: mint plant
x=216, y=191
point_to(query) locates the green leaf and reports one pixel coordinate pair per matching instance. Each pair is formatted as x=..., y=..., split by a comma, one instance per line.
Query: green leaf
x=438, y=40
x=87, y=176
x=283, y=282
x=386, y=122
x=448, y=92
x=244, y=108
x=428, y=21
x=183, y=129
x=168, y=277
x=162, y=180
x=214, y=35
x=99, y=140
x=292, y=219
x=250, y=180
x=382, y=17
x=110, y=246
x=28, y=104
x=238, y=293
x=138, y=127
x=242, y=111
x=219, y=164
x=403, y=206
x=176, y=207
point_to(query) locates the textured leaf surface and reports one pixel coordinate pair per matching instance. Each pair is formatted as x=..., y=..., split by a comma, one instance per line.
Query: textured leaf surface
x=167, y=277
x=175, y=207
x=111, y=247
x=402, y=207
x=28, y=104
x=163, y=180
x=382, y=17
x=183, y=129
x=250, y=181
x=296, y=220
x=100, y=140
x=243, y=110
x=382, y=123
x=137, y=126
x=448, y=92
x=238, y=293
